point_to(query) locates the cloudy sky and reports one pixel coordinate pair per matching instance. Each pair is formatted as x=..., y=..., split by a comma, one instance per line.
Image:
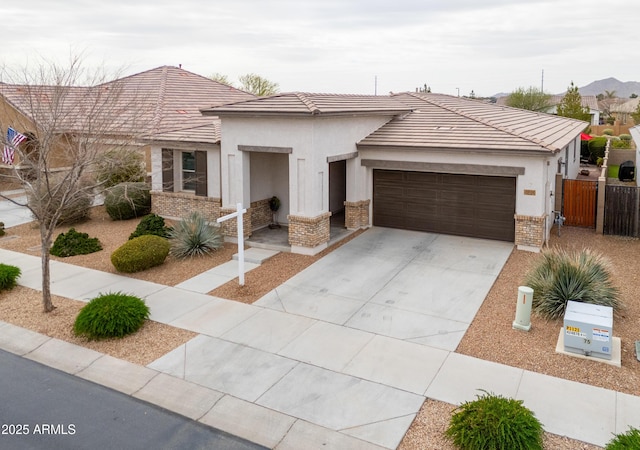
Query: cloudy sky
x=341, y=46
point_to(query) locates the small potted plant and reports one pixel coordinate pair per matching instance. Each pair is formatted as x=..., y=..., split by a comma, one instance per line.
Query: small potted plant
x=274, y=206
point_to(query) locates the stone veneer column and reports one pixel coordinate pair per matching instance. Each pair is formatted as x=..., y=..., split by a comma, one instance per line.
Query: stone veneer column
x=230, y=227
x=309, y=233
x=356, y=214
x=530, y=231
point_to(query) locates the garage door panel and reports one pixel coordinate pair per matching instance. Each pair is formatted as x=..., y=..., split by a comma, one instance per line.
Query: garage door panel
x=467, y=205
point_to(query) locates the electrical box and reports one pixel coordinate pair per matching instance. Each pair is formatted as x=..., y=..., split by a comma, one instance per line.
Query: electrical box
x=588, y=329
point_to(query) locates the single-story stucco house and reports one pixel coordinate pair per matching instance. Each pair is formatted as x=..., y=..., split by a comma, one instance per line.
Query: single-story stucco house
x=418, y=161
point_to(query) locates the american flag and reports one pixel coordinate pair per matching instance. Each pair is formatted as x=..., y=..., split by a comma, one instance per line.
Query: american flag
x=13, y=140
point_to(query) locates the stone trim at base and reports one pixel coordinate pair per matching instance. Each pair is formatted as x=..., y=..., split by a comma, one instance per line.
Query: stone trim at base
x=530, y=233
x=230, y=227
x=309, y=232
x=177, y=205
x=356, y=214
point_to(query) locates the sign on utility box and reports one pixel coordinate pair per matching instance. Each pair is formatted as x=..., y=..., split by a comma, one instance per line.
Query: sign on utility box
x=588, y=329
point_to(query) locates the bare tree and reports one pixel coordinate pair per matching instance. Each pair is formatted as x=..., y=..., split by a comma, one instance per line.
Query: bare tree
x=69, y=117
x=258, y=85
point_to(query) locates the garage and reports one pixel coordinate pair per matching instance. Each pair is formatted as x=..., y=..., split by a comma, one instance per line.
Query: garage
x=465, y=205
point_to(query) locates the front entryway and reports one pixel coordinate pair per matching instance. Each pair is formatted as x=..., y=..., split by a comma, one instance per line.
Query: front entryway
x=464, y=205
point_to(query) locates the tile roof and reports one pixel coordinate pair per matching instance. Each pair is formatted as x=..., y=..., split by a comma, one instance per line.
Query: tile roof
x=629, y=106
x=202, y=134
x=590, y=101
x=442, y=121
x=155, y=101
x=307, y=104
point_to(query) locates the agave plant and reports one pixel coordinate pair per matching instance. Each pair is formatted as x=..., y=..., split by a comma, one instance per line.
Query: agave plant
x=193, y=236
x=563, y=275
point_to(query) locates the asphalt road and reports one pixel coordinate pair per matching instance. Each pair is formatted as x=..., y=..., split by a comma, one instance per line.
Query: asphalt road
x=43, y=408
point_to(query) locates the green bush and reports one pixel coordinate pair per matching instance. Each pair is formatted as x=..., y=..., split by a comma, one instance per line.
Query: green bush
x=111, y=315
x=560, y=275
x=128, y=200
x=619, y=143
x=495, y=422
x=140, y=253
x=2, y=232
x=8, y=276
x=625, y=137
x=597, y=146
x=151, y=224
x=607, y=132
x=120, y=166
x=193, y=236
x=625, y=441
x=74, y=243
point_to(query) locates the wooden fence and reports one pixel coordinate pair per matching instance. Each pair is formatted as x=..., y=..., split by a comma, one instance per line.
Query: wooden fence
x=580, y=202
x=621, y=210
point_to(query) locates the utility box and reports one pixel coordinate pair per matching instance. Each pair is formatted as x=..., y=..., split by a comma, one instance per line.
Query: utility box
x=588, y=329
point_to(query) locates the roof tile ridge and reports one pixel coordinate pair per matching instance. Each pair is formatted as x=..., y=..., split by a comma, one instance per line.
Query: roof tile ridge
x=491, y=124
x=306, y=101
x=160, y=102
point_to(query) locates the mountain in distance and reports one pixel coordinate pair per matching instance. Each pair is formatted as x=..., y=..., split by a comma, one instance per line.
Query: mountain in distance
x=623, y=89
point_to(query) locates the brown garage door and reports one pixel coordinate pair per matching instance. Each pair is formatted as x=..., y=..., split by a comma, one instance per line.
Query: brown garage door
x=465, y=205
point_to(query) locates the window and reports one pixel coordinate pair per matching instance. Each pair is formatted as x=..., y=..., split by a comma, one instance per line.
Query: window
x=188, y=168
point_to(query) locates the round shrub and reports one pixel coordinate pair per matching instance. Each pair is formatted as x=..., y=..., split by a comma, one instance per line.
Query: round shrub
x=607, y=132
x=120, y=166
x=597, y=146
x=111, y=315
x=140, y=253
x=128, y=200
x=74, y=243
x=560, y=275
x=625, y=441
x=625, y=137
x=8, y=276
x=70, y=204
x=151, y=224
x=495, y=422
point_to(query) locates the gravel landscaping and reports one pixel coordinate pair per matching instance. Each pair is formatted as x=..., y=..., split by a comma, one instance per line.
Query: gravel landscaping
x=490, y=336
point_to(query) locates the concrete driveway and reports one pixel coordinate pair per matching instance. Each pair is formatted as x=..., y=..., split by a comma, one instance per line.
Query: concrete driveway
x=418, y=287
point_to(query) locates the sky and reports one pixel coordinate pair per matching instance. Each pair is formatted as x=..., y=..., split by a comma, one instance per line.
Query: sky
x=338, y=46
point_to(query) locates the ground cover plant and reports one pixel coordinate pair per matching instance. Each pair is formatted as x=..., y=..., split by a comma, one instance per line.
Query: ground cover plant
x=74, y=243
x=629, y=440
x=495, y=422
x=8, y=276
x=151, y=224
x=111, y=315
x=561, y=275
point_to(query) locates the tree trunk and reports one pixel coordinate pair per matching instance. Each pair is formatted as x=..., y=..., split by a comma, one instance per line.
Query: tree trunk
x=47, y=304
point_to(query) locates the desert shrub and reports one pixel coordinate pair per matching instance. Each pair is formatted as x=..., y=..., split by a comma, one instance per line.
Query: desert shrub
x=561, y=275
x=74, y=243
x=127, y=200
x=151, y=224
x=2, y=232
x=140, y=253
x=597, y=146
x=193, y=236
x=70, y=204
x=625, y=441
x=8, y=276
x=495, y=422
x=607, y=132
x=625, y=137
x=619, y=143
x=120, y=166
x=111, y=315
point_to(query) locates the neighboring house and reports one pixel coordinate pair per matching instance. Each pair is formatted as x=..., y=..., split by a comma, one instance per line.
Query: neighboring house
x=162, y=100
x=622, y=111
x=588, y=101
x=424, y=162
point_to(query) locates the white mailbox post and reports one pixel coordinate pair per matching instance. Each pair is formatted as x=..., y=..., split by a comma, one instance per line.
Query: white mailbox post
x=238, y=214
